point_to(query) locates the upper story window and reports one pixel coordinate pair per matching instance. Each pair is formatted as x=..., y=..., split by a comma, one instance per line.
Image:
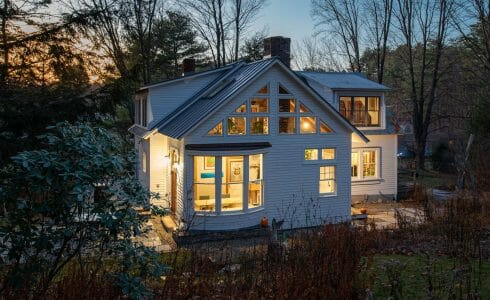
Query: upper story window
x=361, y=111
x=140, y=110
x=293, y=114
x=254, y=111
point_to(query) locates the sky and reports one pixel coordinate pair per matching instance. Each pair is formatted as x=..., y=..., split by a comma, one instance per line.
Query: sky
x=289, y=18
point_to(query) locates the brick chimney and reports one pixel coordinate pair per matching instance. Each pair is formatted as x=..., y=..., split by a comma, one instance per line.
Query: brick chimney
x=278, y=46
x=188, y=66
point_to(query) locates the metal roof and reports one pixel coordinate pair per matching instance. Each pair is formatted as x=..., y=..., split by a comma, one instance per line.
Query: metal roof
x=344, y=81
x=183, y=119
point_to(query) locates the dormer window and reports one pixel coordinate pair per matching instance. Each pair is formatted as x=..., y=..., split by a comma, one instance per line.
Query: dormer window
x=361, y=111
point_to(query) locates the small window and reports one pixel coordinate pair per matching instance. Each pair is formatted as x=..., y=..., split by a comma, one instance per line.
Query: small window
x=327, y=180
x=287, y=105
x=259, y=105
x=242, y=108
x=283, y=91
x=324, y=128
x=237, y=126
x=311, y=154
x=264, y=90
x=328, y=153
x=259, y=125
x=217, y=130
x=143, y=162
x=307, y=125
x=303, y=108
x=287, y=125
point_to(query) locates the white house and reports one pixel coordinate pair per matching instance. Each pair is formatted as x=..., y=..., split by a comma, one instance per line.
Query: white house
x=226, y=147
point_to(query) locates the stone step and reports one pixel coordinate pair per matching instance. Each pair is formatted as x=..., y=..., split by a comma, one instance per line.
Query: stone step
x=169, y=223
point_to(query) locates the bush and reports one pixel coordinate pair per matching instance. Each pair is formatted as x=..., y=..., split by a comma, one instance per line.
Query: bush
x=73, y=200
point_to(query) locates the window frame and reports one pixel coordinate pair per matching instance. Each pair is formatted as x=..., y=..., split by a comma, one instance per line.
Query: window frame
x=334, y=179
x=365, y=111
x=219, y=182
x=360, y=171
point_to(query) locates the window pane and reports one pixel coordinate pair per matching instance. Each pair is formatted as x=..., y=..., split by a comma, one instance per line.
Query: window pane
x=369, y=163
x=324, y=128
x=264, y=90
x=255, y=186
x=311, y=154
x=259, y=125
x=259, y=105
x=217, y=130
x=204, y=184
x=345, y=107
x=303, y=108
x=287, y=125
x=282, y=90
x=287, y=105
x=307, y=124
x=359, y=112
x=236, y=125
x=354, y=169
x=328, y=153
x=242, y=108
x=327, y=179
x=373, y=111
x=232, y=185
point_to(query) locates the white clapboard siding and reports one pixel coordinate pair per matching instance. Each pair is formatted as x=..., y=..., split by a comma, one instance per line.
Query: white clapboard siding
x=158, y=169
x=386, y=187
x=291, y=183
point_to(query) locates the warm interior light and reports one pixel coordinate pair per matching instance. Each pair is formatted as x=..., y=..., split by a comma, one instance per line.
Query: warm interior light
x=305, y=125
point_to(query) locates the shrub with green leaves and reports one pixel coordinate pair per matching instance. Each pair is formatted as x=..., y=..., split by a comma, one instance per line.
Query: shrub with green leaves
x=73, y=201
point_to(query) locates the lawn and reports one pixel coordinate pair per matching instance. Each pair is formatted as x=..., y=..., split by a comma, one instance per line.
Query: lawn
x=420, y=277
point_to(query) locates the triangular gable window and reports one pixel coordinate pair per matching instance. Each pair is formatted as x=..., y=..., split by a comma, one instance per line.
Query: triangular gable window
x=264, y=90
x=324, y=128
x=217, y=130
x=283, y=91
x=242, y=108
x=303, y=108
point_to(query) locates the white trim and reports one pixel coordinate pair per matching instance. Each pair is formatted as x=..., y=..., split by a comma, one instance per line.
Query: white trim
x=360, y=177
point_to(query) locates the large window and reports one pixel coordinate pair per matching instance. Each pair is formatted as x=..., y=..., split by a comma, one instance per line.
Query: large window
x=204, y=183
x=295, y=116
x=255, y=181
x=232, y=183
x=361, y=111
x=327, y=180
x=238, y=191
x=365, y=164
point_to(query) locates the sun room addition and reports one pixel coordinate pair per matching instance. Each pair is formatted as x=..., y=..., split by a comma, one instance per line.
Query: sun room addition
x=237, y=186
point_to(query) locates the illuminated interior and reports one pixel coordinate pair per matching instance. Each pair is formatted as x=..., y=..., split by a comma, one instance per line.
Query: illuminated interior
x=232, y=182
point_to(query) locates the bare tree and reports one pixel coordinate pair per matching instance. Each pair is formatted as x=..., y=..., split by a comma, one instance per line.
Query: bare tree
x=378, y=17
x=244, y=12
x=341, y=19
x=423, y=27
x=210, y=21
x=313, y=54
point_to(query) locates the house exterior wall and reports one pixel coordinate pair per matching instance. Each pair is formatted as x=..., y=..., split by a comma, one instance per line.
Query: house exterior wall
x=291, y=184
x=385, y=187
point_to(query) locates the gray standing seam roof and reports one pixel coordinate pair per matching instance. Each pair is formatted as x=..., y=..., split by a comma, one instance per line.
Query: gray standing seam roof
x=344, y=81
x=182, y=120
